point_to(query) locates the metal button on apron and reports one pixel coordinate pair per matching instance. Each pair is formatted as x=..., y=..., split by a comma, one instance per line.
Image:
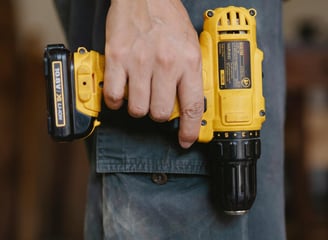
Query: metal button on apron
x=159, y=178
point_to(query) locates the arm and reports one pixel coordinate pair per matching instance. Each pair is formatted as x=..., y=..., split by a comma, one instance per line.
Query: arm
x=152, y=47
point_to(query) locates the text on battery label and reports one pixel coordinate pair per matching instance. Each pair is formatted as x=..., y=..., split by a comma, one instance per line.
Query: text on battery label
x=58, y=94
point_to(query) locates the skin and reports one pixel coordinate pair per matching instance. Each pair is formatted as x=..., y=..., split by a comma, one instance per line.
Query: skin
x=152, y=47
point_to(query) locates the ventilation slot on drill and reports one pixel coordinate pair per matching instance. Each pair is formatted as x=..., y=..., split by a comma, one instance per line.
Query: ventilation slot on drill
x=233, y=19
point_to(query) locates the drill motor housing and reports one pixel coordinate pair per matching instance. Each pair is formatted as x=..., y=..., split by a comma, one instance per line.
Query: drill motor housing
x=232, y=85
x=232, y=68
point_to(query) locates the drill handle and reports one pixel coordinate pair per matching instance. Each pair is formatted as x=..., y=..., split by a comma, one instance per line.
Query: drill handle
x=206, y=129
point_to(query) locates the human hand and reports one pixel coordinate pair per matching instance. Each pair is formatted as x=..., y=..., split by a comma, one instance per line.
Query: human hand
x=152, y=47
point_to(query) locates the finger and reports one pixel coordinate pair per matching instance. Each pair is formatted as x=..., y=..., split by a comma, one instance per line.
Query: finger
x=191, y=100
x=163, y=94
x=115, y=78
x=139, y=89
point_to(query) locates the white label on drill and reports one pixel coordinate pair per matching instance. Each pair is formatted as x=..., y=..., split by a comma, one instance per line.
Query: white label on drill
x=234, y=65
x=58, y=93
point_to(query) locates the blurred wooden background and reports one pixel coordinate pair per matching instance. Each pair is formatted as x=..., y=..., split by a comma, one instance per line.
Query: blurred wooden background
x=42, y=184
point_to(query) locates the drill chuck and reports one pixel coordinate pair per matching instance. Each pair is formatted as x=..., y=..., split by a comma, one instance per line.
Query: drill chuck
x=234, y=156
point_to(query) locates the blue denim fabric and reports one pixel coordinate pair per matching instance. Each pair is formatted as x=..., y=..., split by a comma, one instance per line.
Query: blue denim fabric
x=125, y=206
x=133, y=207
x=147, y=152
x=123, y=202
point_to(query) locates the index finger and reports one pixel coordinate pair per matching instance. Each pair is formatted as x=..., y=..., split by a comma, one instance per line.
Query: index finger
x=191, y=100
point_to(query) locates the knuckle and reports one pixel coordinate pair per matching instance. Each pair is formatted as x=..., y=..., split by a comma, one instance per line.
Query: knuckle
x=160, y=115
x=141, y=59
x=193, y=111
x=193, y=57
x=137, y=110
x=117, y=54
x=165, y=59
x=112, y=99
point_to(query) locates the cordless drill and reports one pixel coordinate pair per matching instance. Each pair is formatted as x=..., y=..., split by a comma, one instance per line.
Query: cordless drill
x=234, y=104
